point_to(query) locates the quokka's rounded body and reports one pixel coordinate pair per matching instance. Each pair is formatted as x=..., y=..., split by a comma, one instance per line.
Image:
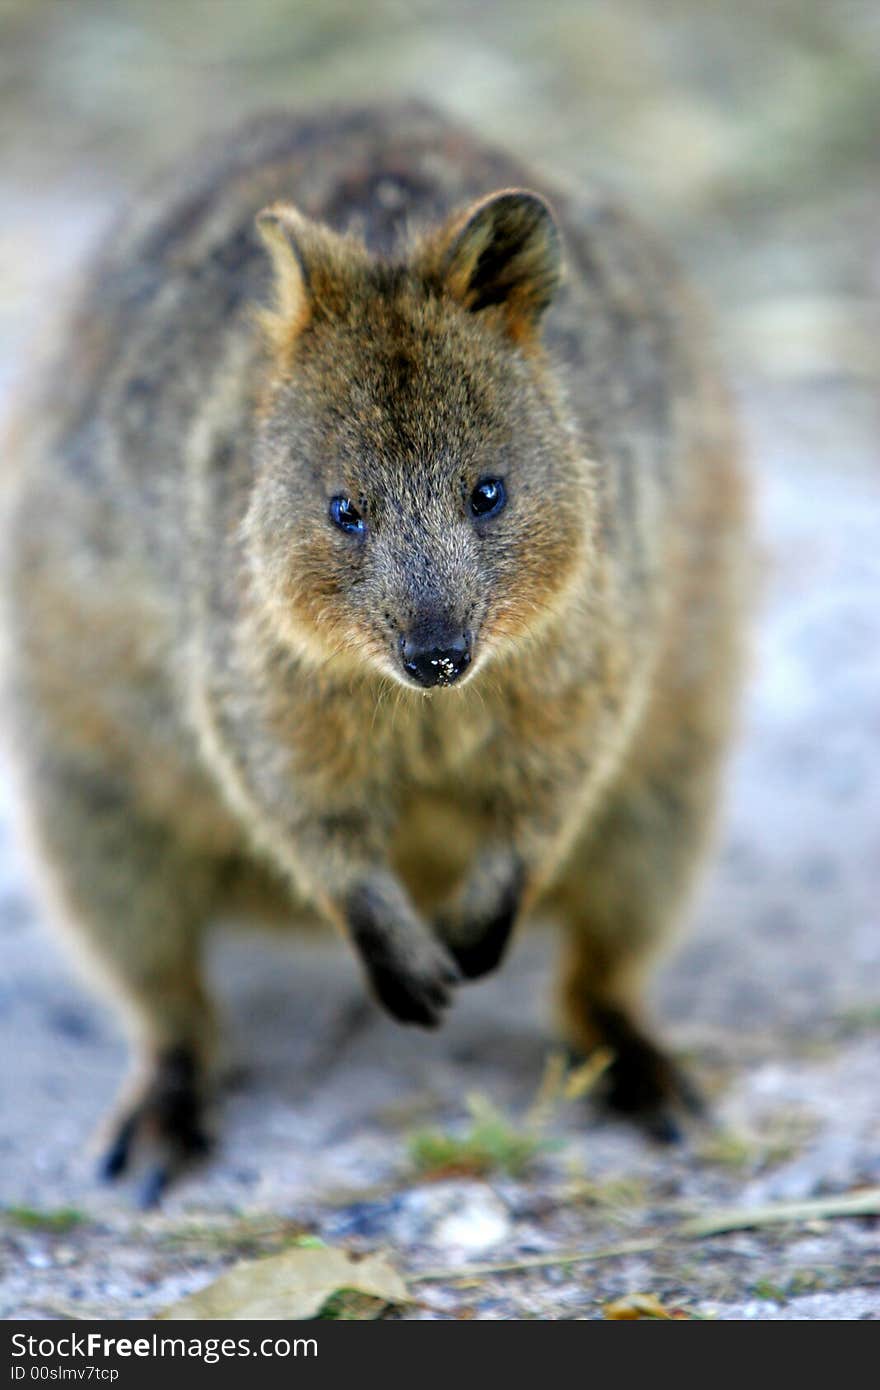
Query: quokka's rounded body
x=375, y=544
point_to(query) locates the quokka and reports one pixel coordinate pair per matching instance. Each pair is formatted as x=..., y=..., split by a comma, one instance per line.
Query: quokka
x=373, y=492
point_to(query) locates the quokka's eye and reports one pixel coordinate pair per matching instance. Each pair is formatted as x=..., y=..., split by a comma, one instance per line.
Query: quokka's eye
x=488, y=497
x=345, y=515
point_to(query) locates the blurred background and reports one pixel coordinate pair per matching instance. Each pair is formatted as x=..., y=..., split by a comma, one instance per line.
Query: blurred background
x=747, y=135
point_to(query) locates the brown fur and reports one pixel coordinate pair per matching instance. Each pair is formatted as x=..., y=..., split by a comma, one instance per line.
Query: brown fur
x=205, y=685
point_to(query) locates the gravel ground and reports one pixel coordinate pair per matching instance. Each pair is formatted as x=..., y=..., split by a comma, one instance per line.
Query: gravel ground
x=775, y=999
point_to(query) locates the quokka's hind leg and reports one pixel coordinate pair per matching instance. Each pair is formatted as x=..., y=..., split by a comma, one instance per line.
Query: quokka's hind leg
x=135, y=902
x=622, y=893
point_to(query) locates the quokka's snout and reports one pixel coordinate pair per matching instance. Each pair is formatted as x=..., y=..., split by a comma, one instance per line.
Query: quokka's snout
x=435, y=654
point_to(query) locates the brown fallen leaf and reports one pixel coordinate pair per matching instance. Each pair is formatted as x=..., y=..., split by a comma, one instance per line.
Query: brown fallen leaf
x=295, y=1284
x=635, y=1305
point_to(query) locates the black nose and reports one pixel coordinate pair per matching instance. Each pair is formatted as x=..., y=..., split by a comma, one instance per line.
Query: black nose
x=436, y=665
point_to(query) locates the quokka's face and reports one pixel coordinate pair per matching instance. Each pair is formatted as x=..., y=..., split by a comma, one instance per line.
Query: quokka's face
x=420, y=506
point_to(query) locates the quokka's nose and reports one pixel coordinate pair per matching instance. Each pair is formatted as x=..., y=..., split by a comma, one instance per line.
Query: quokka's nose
x=436, y=665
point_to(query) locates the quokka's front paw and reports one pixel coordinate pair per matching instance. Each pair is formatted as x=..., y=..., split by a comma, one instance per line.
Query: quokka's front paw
x=477, y=934
x=414, y=987
x=166, y=1120
x=411, y=974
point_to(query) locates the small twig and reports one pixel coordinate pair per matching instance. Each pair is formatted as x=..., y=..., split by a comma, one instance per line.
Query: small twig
x=864, y=1203
x=571, y=1257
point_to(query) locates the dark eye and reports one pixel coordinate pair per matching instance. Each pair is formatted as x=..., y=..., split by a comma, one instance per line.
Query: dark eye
x=345, y=515
x=488, y=497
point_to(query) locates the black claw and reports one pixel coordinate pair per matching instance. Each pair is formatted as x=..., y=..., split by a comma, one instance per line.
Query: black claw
x=423, y=1020
x=114, y=1161
x=662, y=1127
x=112, y=1164
x=153, y=1188
x=411, y=1010
x=167, y=1122
x=410, y=1000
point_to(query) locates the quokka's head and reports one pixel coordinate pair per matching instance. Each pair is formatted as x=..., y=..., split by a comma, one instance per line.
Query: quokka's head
x=421, y=505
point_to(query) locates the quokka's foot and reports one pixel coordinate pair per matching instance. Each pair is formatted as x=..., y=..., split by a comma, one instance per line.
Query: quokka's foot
x=478, y=948
x=409, y=973
x=417, y=991
x=643, y=1083
x=477, y=930
x=166, y=1122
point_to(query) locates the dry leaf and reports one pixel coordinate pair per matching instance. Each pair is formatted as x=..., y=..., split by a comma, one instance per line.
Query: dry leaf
x=635, y=1305
x=294, y=1284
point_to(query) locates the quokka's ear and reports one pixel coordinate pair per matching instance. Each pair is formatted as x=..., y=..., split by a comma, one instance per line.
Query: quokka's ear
x=504, y=251
x=310, y=263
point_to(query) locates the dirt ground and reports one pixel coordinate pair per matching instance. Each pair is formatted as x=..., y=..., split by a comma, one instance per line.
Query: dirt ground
x=750, y=139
